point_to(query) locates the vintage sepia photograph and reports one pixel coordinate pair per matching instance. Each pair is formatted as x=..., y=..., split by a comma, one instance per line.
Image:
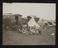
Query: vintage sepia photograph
x=29, y=24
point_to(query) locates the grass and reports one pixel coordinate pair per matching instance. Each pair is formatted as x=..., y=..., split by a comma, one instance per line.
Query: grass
x=13, y=37
x=16, y=38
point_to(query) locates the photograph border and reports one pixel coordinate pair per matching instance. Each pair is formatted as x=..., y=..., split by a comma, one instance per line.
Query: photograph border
x=20, y=1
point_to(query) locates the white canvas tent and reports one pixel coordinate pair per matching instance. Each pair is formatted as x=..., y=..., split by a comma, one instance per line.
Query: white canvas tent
x=32, y=22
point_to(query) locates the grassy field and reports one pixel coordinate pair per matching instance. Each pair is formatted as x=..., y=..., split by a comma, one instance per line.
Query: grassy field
x=16, y=38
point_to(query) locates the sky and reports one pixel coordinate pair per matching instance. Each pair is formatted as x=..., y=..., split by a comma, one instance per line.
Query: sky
x=42, y=10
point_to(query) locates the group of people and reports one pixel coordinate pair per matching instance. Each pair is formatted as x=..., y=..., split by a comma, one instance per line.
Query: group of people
x=29, y=30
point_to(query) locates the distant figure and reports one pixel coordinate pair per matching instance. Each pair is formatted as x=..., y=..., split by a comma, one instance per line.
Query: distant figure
x=16, y=18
